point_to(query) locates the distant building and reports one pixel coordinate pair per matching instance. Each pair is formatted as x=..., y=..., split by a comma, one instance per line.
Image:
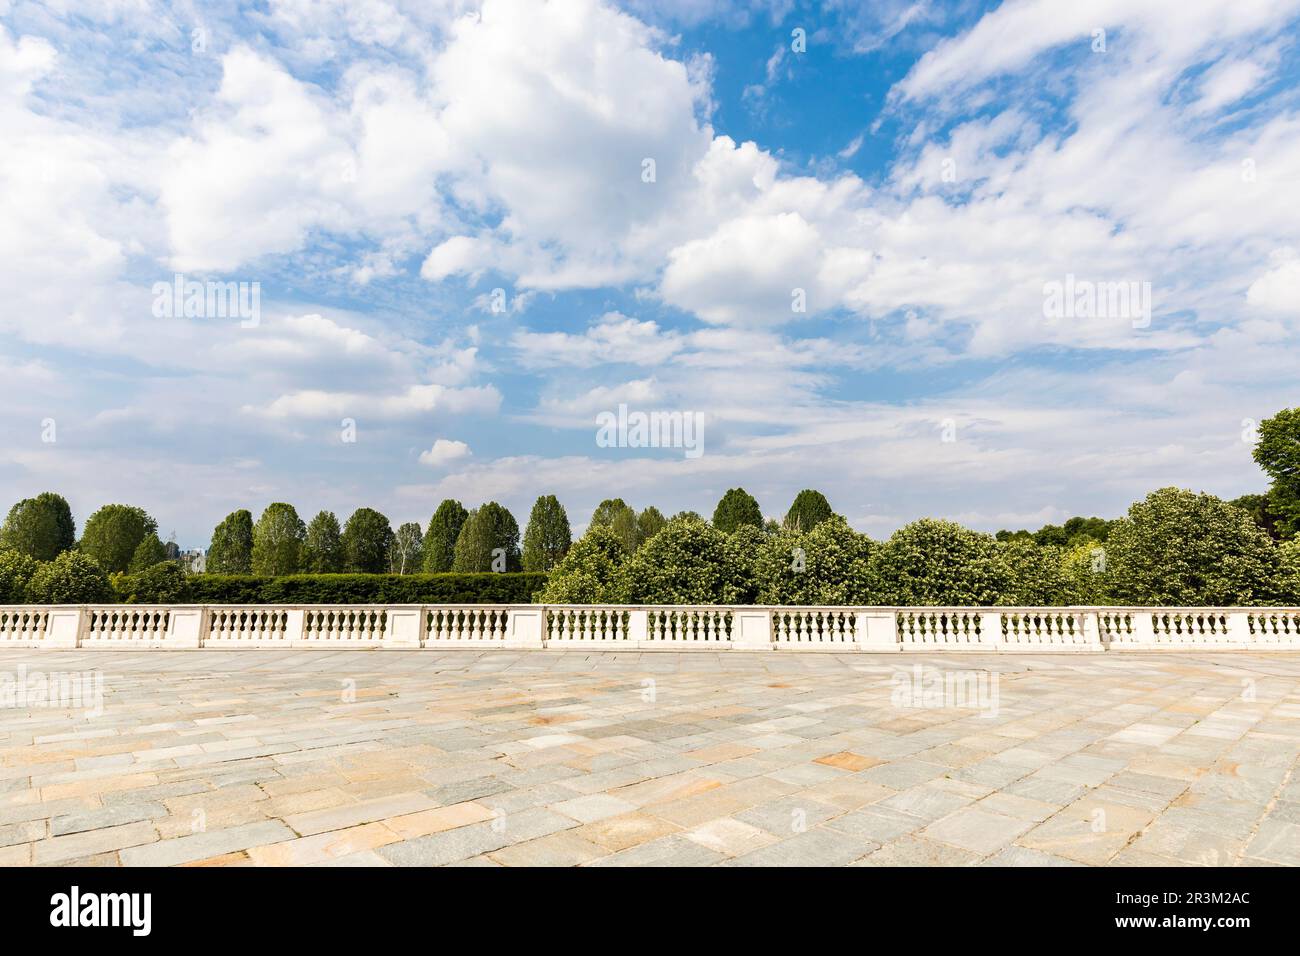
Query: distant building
x=194, y=560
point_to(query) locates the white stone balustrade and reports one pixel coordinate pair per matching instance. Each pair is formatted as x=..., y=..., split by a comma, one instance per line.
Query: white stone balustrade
x=626, y=627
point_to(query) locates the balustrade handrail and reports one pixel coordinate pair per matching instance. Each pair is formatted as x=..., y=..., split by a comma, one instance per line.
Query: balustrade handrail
x=660, y=626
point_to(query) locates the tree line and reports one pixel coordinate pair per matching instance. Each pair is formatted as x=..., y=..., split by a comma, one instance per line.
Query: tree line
x=1173, y=547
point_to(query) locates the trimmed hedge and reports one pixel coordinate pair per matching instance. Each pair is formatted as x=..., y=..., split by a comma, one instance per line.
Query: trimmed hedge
x=486, y=588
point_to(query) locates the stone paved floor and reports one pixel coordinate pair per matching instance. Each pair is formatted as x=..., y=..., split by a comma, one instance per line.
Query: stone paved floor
x=562, y=758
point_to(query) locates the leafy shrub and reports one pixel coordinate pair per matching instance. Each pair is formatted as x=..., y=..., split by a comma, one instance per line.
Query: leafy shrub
x=826, y=566
x=163, y=583
x=1286, y=590
x=16, y=570
x=1083, y=574
x=686, y=563
x=149, y=552
x=209, y=588
x=1177, y=547
x=932, y=562
x=590, y=573
x=71, y=578
x=365, y=589
x=1033, y=573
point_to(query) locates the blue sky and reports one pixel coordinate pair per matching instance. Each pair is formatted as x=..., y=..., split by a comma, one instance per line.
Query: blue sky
x=922, y=172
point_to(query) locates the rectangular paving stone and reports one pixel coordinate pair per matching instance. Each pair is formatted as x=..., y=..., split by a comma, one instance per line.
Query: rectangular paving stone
x=439, y=849
x=63, y=849
x=819, y=847
x=106, y=817
x=198, y=846
x=976, y=830
x=365, y=811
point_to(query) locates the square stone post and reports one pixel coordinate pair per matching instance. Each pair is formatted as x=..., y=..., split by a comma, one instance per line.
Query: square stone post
x=638, y=626
x=295, y=627
x=185, y=628
x=877, y=629
x=404, y=627
x=751, y=629
x=527, y=626
x=64, y=626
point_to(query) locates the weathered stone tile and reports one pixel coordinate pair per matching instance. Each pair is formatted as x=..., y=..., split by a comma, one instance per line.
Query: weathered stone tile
x=730, y=837
x=366, y=811
x=926, y=802
x=197, y=846
x=565, y=848
x=1020, y=856
x=323, y=847
x=449, y=846
x=976, y=830
x=63, y=849
x=105, y=817
x=1276, y=841
x=914, y=851
x=670, y=851
x=819, y=847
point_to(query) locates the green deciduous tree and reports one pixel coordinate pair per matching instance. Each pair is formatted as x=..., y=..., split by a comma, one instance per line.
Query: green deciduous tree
x=1177, y=547
x=1260, y=507
x=366, y=539
x=590, y=572
x=40, y=527
x=933, y=562
x=16, y=570
x=810, y=508
x=489, y=541
x=737, y=507
x=1278, y=453
x=617, y=515
x=148, y=552
x=322, y=548
x=407, y=553
x=113, y=533
x=72, y=578
x=548, y=537
x=440, y=536
x=278, y=539
x=649, y=523
x=231, y=550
